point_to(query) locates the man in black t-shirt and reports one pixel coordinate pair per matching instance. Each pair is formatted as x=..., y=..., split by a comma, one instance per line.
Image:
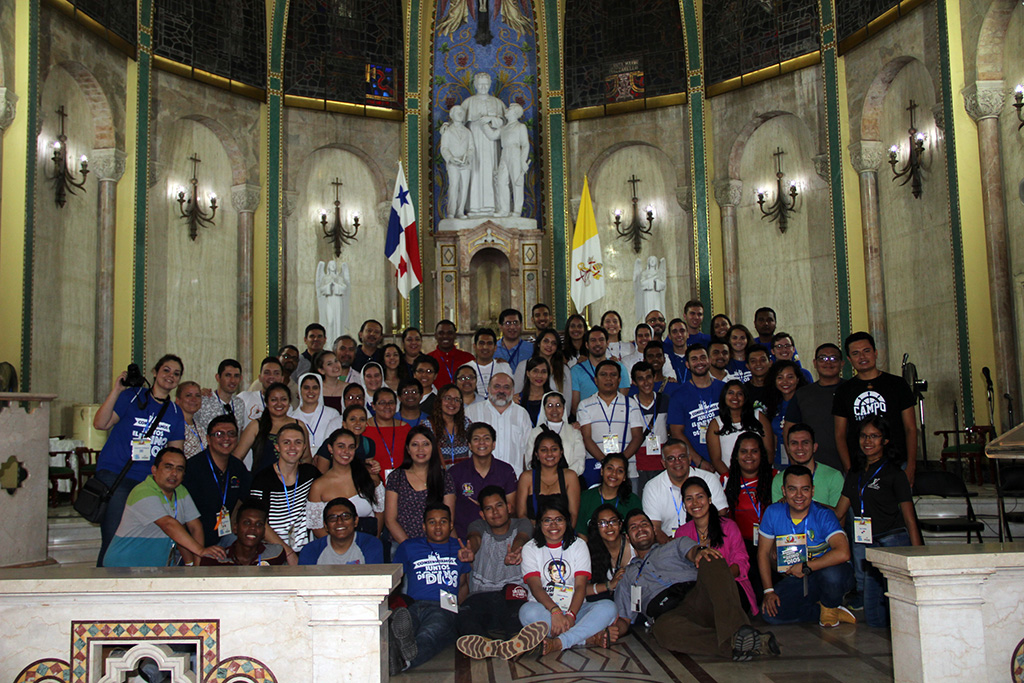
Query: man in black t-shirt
x=873, y=392
x=217, y=481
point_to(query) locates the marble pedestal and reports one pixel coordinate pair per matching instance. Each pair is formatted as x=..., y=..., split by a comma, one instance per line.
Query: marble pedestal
x=957, y=611
x=261, y=624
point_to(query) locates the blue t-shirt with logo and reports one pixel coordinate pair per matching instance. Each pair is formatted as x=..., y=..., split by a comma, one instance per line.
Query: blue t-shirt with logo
x=133, y=423
x=819, y=525
x=694, y=408
x=430, y=567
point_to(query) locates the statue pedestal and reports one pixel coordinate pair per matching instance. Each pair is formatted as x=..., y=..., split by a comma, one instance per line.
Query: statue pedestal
x=486, y=265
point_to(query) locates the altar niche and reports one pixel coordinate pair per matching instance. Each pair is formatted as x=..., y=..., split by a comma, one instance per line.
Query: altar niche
x=484, y=270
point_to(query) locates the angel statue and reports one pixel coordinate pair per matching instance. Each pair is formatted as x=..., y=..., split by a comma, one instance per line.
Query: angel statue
x=332, y=296
x=457, y=12
x=649, y=286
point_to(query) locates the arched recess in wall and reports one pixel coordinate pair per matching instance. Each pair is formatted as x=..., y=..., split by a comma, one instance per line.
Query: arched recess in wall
x=671, y=236
x=364, y=190
x=915, y=237
x=64, y=270
x=192, y=285
x=792, y=272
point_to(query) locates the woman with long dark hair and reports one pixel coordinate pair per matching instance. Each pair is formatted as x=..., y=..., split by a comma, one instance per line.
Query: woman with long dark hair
x=394, y=369
x=610, y=551
x=721, y=433
x=537, y=386
x=548, y=478
x=615, y=489
x=784, y=378
x=261, y=435
x=572, y=347
x=548, y=346
x=748, y=491
x=349, y=478
x=611, y=321
x=448, y=422
x=740, y=340
x=419, y=480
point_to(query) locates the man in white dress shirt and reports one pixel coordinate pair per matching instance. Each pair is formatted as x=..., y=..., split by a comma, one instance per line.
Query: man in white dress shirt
x=510, y=421
x=663, y=501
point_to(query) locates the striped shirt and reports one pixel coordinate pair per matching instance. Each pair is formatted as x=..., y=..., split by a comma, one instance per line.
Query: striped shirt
x=287, y=505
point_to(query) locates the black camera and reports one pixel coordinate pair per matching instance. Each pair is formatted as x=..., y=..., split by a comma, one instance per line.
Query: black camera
x=134, y=377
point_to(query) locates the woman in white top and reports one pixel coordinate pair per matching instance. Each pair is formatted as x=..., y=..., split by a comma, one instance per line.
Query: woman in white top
x=611, y=321
x=373, y=379
x=549, y=347
x=319, y=418
x=721, y=437
x=348, y=478
x=553, y=416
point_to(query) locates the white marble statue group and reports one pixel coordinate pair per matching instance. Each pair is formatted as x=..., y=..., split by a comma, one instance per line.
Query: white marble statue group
x=486, y=160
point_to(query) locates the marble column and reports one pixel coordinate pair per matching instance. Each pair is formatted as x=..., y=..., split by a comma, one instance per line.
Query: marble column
x=728, y=194
x=866, y=156
x=107, y=165
x=245, y=198
x=984, y=101
x=8, y=107
x=684, y=195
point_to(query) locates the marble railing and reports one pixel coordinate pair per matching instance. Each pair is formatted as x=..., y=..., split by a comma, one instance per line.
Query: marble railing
x=260, y=624
x=957, y=611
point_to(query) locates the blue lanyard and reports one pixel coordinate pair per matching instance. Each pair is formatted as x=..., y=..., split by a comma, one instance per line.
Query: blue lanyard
x=609, y=420
x=451, y=444
x=753, y=499
x=653, y=576
x=513, y=355
x=224, y=496
x=312, y=433
x=590, y=373
x=175, y=494
x=295, y=490
x=861, y=485
x=391, y=458
x=480, y=374
x=803, y=523
x=679, y=507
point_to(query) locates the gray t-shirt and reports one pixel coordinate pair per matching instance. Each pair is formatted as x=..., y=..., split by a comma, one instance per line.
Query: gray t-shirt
x=664, y=566
x=812, y=404
x=354, y=555
x=490, y=573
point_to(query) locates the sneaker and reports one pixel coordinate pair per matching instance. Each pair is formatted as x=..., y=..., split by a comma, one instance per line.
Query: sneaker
x=477, y=647
x=529, y=637
x=745, y=643
x=403, y=633
x=767, y=644
x=832, y=616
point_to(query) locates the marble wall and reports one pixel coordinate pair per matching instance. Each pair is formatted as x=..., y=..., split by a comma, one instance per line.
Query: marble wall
x=1012, y=142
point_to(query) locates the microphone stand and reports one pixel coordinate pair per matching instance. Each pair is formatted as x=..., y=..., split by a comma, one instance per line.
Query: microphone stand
x=991, y=410
x=1009, y=411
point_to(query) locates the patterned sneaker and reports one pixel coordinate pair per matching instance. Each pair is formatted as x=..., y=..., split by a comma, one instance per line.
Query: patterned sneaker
x=529, y=637
x=767, y=644
x=831, y=617
x=404, y=634
x=745, y=643
x=477, y=647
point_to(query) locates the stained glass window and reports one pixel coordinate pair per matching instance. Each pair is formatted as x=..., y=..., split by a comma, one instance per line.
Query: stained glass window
x=741, y=36
x=619, y=50
x=118, y=16
x=345, y=50
x=224, y=37
x=853, y=15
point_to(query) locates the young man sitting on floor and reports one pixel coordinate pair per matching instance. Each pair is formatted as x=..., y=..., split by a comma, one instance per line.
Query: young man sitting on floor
x=249, y=550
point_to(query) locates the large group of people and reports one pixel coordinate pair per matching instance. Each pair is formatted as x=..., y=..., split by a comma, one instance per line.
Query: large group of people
x=550, y=493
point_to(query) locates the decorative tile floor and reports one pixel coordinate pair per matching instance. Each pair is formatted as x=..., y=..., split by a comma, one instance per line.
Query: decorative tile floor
x=810, y=654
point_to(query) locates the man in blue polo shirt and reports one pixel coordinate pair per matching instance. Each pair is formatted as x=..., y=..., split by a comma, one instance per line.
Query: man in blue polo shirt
x=803, y=540
x=512, y=347
x=584, y=382
x=695, y=404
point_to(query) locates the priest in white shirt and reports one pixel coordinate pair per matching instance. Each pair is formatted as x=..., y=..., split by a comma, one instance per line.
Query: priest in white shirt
x=511, y=421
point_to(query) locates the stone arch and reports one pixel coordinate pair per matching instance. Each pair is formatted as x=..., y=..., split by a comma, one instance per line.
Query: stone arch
x=677, y=171
x=99, y=105
x=874, y=99
x=991, y=38
x=239, y=173
x=380, y=181
x=739, y=145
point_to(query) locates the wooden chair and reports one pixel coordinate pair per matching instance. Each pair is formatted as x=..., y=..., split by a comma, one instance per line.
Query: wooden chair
x=61, y=473
x=946, y=485
x=970, y=447
x=87, y=458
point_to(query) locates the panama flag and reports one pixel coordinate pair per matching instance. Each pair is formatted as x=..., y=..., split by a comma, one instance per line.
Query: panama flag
x=402, y=248
x=587, y=285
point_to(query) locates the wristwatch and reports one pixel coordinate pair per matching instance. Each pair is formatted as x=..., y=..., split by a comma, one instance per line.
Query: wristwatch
x=807, y=568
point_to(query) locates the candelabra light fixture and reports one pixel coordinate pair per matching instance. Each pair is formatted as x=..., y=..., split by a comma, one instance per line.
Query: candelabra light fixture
x=339, y=234
x=63, y=177
x=1018, y=103
x=778, y=210
x=635, y=231
x=911, y=172
x=188, y=203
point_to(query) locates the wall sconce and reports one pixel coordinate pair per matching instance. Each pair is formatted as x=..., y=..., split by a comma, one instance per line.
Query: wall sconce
x=1018, y=104
x=63, y=177
x=338, y=234
x=635, y=231
x=912, y=170
x=780, y=209
x=189, y=207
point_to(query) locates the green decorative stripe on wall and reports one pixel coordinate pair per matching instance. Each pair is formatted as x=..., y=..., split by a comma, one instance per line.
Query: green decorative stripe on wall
x=412, y=177
x=275, y=171
x=144, y=92
x=31, y=112
x=955, y=224
x=551, y=81
x=553, y=22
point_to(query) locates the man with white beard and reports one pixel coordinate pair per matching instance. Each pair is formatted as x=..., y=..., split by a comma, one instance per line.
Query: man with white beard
x=510, y=421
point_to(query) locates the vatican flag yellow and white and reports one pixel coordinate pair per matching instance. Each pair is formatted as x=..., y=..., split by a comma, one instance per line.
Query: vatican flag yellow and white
x=587, y=272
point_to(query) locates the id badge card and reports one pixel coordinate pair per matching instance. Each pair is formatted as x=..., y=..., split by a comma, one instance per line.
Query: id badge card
x=562, y=596
x=384, y=475
x=142, y=450
x=757, y=533
x=635, y=598
x=611, y=444
x=862, y=530
x=449, y=602
x=223, y=522
x=652, y=444
x=790, y=549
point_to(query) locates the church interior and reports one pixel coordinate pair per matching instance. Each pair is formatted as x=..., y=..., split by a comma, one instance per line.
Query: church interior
x=174, y=173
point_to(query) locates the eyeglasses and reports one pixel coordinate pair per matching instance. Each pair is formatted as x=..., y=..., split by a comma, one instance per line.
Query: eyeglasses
x=782, y=346
x=870, y=437
x=552, y=521
x=465, y=378
x=676, y=458
x=220, y=435
x=827, y=359
x=605, y=523
x=451, y=399
x=410, y=392
x=385, y=404
x=343, y=517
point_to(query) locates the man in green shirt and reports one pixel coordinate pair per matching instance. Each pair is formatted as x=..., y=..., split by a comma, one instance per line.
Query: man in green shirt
x=828, y=481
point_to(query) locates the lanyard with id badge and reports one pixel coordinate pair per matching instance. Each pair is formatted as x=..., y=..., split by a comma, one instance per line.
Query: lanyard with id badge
x=612, y=443
x=862, y=524
x=791, y=549
x=142, y=449
x=223, y=517
x=651, y=444
x=755, y=503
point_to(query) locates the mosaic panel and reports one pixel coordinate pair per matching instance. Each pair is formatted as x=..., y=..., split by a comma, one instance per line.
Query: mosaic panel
x=224, y=37
x=345, y=50
x=618, y=50
x=204, y=633
x=741, y=36
x=116, y=15
x=853, y=15
x=45, y=670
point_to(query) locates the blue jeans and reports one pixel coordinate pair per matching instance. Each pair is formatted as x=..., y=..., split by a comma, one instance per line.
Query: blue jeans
x=827, y=586
x=115, y=509
x=435, y=629
x=594, y=617
x=876, y=605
